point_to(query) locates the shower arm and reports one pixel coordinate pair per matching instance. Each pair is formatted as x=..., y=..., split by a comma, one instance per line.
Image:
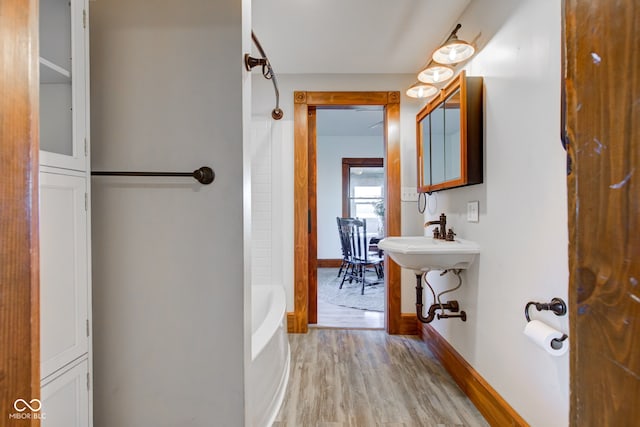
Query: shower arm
x=267, y=73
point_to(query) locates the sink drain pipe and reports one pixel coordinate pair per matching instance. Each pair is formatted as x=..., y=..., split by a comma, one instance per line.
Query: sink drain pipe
x=452, y=306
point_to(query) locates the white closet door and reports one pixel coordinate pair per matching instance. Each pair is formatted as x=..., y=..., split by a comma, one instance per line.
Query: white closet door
x=63, y=271
x=65, y=399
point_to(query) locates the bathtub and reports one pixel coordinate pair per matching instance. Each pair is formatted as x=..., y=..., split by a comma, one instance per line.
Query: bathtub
x=270, y=355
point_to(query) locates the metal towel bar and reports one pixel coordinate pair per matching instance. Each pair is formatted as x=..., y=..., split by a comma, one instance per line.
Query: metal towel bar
x=204, y=175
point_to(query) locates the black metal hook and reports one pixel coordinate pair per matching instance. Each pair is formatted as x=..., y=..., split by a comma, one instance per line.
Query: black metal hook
x=557, y=306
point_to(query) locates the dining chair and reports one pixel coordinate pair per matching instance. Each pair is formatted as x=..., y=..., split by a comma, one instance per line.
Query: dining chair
x=354, y=235
x=344, y=246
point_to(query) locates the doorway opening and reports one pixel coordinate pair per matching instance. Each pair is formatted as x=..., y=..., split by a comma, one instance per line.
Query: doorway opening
x=306, y=105
x=349, y=294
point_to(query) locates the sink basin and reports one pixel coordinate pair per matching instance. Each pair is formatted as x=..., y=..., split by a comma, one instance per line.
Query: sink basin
x=421, y=254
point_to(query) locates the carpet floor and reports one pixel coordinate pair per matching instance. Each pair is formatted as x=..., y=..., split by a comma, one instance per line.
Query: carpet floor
x=349, y=295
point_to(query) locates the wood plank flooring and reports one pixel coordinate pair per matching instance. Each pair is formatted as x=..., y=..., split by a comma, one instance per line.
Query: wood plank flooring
x=335, y=316
x=367, y=378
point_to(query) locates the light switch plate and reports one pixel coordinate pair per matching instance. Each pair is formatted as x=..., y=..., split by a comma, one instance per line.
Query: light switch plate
x=409, y=194
x=473, y=211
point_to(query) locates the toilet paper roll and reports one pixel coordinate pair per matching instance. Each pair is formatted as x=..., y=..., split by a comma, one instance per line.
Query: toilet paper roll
x=542, y=334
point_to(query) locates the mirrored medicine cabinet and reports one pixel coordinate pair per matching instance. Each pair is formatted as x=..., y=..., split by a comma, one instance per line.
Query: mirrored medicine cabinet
x=449, y=136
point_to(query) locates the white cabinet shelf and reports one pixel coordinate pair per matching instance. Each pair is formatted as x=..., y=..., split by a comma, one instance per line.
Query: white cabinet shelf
x=63, y=84
x=56, y=28
x=52, y=73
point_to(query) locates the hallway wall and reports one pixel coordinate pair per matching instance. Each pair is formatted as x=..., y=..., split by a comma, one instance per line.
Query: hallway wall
x=170, y=330
x=522, y=231
x=331, y=150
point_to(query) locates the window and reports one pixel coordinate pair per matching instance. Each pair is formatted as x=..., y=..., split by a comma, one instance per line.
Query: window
x=363, y=191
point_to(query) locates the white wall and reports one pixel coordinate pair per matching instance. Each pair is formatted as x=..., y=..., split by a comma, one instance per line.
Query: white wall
x=282, y=166
x=523, y=210
x=331, y=150
x=168, y=93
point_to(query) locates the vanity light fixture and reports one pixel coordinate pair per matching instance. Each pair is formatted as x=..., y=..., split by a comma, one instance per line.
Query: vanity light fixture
x=422, y=90
x=453, y=50
x=441, y=66
x=435, y=73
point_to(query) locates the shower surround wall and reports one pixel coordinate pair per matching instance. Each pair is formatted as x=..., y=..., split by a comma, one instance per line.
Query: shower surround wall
x=171, y=336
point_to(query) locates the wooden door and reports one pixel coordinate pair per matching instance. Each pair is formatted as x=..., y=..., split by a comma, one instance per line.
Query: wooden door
x=19, y=287
x=602, y=110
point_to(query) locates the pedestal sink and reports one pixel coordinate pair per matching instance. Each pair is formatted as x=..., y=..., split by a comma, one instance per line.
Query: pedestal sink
x=422, y=254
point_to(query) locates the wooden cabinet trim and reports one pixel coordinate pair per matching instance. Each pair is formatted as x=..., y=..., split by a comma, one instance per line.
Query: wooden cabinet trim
x=471, y=137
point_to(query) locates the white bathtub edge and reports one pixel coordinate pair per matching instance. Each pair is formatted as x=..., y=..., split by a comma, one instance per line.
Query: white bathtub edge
x=267, y=329
x=269, y=371
x=282, y=388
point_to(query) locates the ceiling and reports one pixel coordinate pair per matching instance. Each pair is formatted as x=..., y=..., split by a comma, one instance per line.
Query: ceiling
x=360, y=121
x=352, y=36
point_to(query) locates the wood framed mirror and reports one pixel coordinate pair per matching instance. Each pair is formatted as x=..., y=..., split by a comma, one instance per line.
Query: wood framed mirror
x=449, y=136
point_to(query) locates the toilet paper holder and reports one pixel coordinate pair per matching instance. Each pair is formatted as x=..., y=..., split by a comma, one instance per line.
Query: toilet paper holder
x=558, y=307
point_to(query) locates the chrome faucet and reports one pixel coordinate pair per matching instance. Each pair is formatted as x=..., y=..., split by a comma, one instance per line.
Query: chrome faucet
x=441, y=231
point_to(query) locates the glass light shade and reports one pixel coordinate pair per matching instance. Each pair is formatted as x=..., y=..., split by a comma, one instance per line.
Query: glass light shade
x=422, y=90
x=453, y=51
x=435, y=74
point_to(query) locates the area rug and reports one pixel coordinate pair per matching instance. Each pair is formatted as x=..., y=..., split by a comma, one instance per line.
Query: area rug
x=349, y=295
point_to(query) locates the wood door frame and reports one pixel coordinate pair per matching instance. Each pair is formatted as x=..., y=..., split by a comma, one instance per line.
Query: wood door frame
x=347, y=163
x=19, y=255
x=303, y=103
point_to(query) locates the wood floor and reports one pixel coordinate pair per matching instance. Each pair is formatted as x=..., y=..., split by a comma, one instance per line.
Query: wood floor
x=335, y=316
x=368, y=378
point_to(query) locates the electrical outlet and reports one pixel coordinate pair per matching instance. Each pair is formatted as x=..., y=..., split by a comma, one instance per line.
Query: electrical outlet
x=409, y=194
x=473, y=211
